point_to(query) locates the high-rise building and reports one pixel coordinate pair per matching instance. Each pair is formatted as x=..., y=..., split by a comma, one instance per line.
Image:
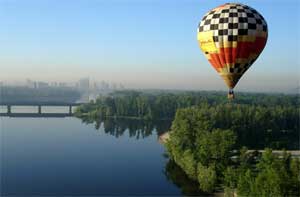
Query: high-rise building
x=53, y=84
x=121, y=86
x=42, y=84
x=104, y=85
x=84, y=84
x=62, y=84
x=114, y=86
x=30, y=84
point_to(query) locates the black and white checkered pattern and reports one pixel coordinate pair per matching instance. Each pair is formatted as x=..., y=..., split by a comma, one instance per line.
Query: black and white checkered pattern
x=241, y=68
x=232, y=20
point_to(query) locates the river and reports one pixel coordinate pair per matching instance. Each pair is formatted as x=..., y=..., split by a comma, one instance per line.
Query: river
x=66, y=156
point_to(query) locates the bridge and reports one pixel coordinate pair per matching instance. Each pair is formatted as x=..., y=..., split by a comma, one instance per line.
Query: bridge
x=39, y=105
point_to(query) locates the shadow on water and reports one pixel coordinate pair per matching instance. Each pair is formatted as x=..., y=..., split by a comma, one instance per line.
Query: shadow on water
x=135, y=127
x=178, y=177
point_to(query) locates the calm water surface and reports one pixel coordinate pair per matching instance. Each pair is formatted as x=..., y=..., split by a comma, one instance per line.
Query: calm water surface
x=64, y=156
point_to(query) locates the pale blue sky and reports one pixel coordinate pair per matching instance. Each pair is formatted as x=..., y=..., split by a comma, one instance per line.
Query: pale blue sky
x=141, y=43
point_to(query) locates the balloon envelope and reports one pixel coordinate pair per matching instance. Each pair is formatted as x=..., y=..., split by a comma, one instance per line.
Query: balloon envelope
x=232, y=36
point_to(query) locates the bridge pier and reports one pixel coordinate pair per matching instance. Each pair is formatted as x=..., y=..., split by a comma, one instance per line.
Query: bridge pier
x=39, y=109
x=70, y=109
x=9, y=109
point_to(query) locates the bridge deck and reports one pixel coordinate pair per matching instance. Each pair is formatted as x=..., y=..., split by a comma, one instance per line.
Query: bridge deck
x=39, y=113
x=36, y=115
x=40, y=104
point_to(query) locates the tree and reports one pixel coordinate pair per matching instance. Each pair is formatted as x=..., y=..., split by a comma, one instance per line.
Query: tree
x=295, y=176
x=267, y=184
x=207, y=177
x=230, y=181
x=245, y=183
x=215, y=146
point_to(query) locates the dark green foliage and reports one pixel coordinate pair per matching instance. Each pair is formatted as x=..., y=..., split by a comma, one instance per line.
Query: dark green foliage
x=203, y=142
x=230, y=177
x=163, y=105
x=213, y=148
x=207, y=177
x=272, y=176
x=202, y=151
x=270, y=121
x=230, y=180
x=245, y=183
x=295, y=176
x=255, y=126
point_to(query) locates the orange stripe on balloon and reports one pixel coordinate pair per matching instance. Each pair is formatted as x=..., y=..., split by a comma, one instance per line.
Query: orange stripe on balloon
x=215, y=61
x=243, y=50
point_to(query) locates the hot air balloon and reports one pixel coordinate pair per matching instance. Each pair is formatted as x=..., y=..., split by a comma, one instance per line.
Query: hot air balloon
x=232, y=36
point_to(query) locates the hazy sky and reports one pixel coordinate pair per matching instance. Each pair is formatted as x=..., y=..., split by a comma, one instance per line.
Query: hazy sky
x=141, y=43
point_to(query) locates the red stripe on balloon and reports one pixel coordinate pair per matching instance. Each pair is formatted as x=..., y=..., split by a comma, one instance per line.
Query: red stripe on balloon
x=243, y=50
x=214, y=61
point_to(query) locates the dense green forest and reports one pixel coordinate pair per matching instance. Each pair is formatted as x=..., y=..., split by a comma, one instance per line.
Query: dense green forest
x=204, y=141
x=259, y=120
x=16, y=94
x=164, y=105
x=209, y=136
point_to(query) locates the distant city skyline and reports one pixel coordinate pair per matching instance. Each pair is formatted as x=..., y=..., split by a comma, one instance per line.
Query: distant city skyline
x=140, y=44
x=82, y=84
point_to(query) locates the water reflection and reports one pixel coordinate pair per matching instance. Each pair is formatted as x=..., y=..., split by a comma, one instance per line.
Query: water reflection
x=141, y=129
x=178, y=177
x=129, y=167
x=136, y=128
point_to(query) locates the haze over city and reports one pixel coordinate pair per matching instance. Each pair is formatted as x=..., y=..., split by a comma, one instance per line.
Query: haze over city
x=141, y=44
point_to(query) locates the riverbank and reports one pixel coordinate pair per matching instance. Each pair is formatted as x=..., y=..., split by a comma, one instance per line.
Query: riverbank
x=86, y=115
x=163, y=138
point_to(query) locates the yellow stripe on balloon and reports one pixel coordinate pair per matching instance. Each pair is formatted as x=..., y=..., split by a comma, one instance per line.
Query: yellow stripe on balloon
x=206, y=41
x=227, y=44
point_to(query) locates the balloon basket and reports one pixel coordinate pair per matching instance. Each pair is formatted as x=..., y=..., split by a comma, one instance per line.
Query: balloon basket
x=230, y=95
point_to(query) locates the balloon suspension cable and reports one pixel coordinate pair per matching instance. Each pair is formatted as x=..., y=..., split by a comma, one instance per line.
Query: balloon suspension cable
x=230, y=94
